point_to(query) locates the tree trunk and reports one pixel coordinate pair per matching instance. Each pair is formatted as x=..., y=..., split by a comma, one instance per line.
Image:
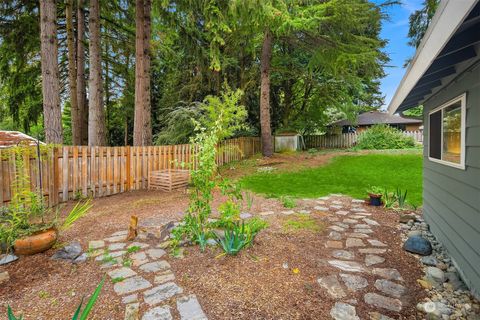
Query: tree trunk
x=72, y=75
x=52, y=114
x=142, y=126
x=96, y=117
x=266, y=131
x=81, y=80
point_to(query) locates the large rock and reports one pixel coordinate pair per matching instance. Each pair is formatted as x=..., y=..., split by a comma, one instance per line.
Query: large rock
x=161, y=293
x=7, y=258
x=190, y=309
x=332, y=285
x=390, y=288
x=350, y=266
x=158, y=313
x=383, y=302
x=354, y=282
x=435, y=276
x=418, y=245
x=343, y=311
x=69, y=252
x=131, y=285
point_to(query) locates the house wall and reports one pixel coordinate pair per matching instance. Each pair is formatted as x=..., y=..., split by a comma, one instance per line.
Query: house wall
x=413, y=127
x=451, y=196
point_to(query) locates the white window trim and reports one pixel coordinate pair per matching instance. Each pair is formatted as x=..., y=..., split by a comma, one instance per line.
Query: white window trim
x=463, y=105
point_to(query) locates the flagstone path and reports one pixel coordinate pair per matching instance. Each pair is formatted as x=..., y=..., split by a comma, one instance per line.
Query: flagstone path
x=142, y=277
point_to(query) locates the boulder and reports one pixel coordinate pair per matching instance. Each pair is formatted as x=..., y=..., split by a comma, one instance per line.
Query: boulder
x=429, y=261
x=7, y=258
x=435, y=276
x=418, y=245
x=405, y=218
x=69, y=252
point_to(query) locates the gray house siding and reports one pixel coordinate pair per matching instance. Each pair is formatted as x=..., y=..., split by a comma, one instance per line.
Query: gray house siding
x=452, y=196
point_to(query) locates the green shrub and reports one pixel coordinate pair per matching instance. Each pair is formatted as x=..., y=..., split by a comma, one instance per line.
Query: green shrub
x=382, y=136
x=288, y=202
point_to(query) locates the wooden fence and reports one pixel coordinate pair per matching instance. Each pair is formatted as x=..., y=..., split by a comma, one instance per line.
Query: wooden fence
x=346, y=140
x=70, y=171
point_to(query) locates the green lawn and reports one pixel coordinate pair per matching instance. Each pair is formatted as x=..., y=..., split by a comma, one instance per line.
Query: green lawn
x=350, y=175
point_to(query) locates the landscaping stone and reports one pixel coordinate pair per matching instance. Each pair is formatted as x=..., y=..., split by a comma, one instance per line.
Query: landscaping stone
x=376, y=243
x=357, y=216
x=429, y=261
x=106, y=255
x=288, y=212
x=162, y=292
x=371, y=222
x=320, y=208
x=367, y=231
x=139, y=258
x=164, y=276
x=117, y=246
x=245, y=215
x=342, y=225
x=388, y=273
x=96, y=244
x=120, y=233
x=378, y=316
x=138, y=244
x=390, y=288
x=405, y=218
x=455, y=281
x=131, y=311
x=358, y=210
x=303, y=211
x=115, y=239
x=4, y=276
x=343, y=254
x=190, y=309
x=7, y=258
x=350, y=221
x=336, y=207
x=158, y=313
x=155, y=266
x=116, y=262
x=122, y=273
x=380, y=301
x=155, y=253
x=332, y=285
x=336, y=202
x=266, y=213
x=336, y=228
x=68, y=252
x=130, y=298
x=334, y=244
x=361, y=226
x=335, y=235
x=371, y=259
x=435, y=275
x=354, y=242
x=350, y=266
x=357, y=235
x=414, y=233
x=418, y=245
x=342, y=212
x=372, y=250
x=130, y=285
x=81, y=258
x=343, y=311
x=358, y=201
x=354, y=282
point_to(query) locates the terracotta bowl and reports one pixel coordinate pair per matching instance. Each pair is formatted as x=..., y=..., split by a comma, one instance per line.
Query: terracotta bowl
x=36, y=243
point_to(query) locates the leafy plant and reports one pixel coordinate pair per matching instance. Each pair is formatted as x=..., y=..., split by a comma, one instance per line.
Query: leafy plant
x=375, y=190
x=288, y=202
x=389, y=199
x=117, y=280
x=240, y=235
x=249, y=198
x=78, y=211
x=401, y=198
x=382, y=136
x=77, y=315
x=133, y=249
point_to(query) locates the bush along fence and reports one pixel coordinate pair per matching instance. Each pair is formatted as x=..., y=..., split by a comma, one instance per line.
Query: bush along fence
x=70, y=172
x=346, y=140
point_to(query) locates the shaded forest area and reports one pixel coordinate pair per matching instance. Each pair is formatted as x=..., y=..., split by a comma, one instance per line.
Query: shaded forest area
x=124, y=72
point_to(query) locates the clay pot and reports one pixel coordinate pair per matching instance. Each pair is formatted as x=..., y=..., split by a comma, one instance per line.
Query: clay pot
x=36, y=243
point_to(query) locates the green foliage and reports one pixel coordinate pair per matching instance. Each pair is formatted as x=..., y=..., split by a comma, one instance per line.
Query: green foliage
x=238, y=236
x=288, y=202
x=416, y=112
x=375, y=190
x=117, y=280
x=384, y=137
x=77, y=315
x=133, y=249
x=350, y=175
x=79, y=210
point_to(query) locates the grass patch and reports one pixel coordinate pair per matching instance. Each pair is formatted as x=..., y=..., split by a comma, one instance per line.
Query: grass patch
x=350, y=175
x=303, y=222
x=288, y=202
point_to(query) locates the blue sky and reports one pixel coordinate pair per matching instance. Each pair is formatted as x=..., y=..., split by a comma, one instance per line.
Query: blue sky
x=395, y=31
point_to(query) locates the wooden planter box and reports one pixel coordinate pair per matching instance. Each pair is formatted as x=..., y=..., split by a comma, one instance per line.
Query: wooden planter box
x=168, y=180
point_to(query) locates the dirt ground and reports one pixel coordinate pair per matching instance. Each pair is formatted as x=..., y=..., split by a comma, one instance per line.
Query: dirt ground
x=253, y=285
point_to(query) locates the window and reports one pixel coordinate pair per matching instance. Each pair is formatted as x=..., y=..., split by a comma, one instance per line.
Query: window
x=447, y=133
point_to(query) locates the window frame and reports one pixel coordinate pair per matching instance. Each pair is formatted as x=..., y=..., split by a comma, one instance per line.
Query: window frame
x=463, y=109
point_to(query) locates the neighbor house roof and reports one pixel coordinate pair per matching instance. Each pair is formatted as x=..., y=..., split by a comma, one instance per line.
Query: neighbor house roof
x=377, y=117
x=13, y=138
x=449, y=47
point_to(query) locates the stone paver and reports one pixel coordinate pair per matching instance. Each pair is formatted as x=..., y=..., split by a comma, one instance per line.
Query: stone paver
x=119, y=233
x=361, y=226
x=130, y=298
x=356, y=209
x=343, y=311
x=96, y=244
x=117, y=246
x=343, y=254
x=266, y=213
x=160, y=293
x=332, y=285
x=342, y=212
x=371, y=222
x=336, y=202
x=139, y=258
x=354, y=282
x=158, y=313
x=131, y=311
x=121, y=273
x=357, y=235
x=342, y=225
x=336, y=228
x=376, y=243
x=350, y=221
x=190, y=309
x=108, y=255
x=288, y=212
x=334, y=244
x=320, y=208
x=115, y=239
x=155, y=253
x=354, y=242
x=368, y=231
x=388, y=273
x=130, y=285
x=372, y=259
x=163, y=277
x=155, y=266
x=372, y=250
x=336, y=207
x=390, y=288
x=383, y=302
x=350, y=266
x=138, y=244
x=334, y=235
